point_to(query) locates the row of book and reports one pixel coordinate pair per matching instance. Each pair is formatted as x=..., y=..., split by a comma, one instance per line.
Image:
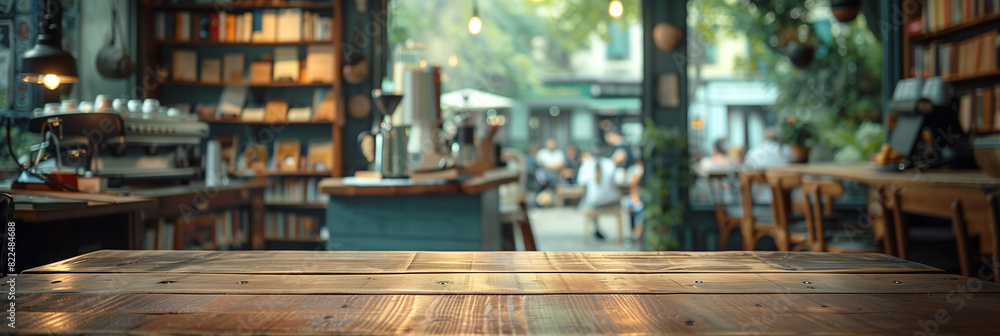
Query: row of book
x=979, y=110
x=253, y=26
x=291, y=225
x=284, y=66
x=969, y=57
x=941, y=14
x=295, y=190
x=218, y=230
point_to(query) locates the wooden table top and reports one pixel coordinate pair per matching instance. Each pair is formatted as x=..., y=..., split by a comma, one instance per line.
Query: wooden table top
x=371, y=293
x=336, y=186
x=866, y=174
x=91, y=205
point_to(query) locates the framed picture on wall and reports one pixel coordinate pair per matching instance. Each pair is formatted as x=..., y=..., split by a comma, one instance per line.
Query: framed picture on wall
x=7, y=58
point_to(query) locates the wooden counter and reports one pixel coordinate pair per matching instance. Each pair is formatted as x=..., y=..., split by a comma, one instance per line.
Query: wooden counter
x=490, y=293
x=401, y=215
x=343, y=187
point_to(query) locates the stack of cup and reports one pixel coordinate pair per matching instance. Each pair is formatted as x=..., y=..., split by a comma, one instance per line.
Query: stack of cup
x=103, y=103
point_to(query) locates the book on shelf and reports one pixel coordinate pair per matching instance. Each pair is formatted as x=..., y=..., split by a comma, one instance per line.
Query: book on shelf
x=299, y=114
x=185, y=65
x=942, y=14
x=286, y=64
x=231, y=101
x=286, y=155
x=324, y=105
x=213, y=27
x=295, y=190
x=319, y=64
x=260, y=72
x=289, y=21
x=970, y=57
x=253, y=114
x=320, y=155
x=979, y=110
x=211, y=70
x=232, y=67
x=183, y=26
x=276, y=110
x=292, y=225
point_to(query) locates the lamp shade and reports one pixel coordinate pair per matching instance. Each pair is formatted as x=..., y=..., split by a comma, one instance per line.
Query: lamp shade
x=46, y=58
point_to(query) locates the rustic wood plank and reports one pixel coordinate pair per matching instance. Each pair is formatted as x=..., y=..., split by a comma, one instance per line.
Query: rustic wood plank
x=775, y=313
x=380, y=262
x=866, y=174
x=496, y=283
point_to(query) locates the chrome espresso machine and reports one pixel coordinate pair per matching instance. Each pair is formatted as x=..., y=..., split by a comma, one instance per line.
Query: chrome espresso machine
x=124, y=148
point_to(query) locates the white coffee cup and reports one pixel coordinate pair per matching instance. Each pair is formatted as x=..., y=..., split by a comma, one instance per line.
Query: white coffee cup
x=173, y=112
x=51, y=108
x=119, y=105
x=86, y=107
x=103, y=103
x=134, y=106
x=68, y=105
x=150, y=105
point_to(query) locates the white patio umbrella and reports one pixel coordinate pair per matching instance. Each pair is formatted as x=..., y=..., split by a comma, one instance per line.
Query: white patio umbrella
x=474, y=99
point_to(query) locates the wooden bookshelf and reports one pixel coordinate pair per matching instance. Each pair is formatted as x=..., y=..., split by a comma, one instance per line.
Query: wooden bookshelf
x=244, y=122
x=295, y=206
x=972, y=25
x=155, y=54
x=299, y=173
x=239, y=44
x=980, y=77
x=241, y=5
x=252, y=85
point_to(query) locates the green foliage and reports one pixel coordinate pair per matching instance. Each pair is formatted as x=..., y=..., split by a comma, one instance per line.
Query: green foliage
x=839, y=89
x=21, y=141
x=499, y=59
x=799, y=132
x=664, y=210
x=856, y=145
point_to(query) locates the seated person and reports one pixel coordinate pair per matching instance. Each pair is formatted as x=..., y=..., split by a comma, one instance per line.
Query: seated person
x=596, y=173
x=550, y=160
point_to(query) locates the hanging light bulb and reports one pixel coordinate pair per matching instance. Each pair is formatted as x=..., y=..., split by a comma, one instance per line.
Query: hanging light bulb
x=50, y=81
x=475, y=24
x=616, y=9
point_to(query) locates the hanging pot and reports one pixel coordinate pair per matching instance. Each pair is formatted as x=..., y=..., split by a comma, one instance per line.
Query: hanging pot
x=845, y=10
x=113, y=60
x=800, y=55
x=666, y=36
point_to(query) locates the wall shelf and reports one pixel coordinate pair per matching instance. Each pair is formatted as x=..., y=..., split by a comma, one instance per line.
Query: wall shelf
x=280, y=205
x=243, y=122
x=203, y=43
x=251, y=85
x=244, y=5
x=981, y=22
x=299, y=173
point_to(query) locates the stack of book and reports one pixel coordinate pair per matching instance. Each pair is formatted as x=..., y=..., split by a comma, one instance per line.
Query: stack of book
x=295, y=190
x=208, y=231
x=979, y=110
x=290, y=225
x=959, y=59
x=287, y=67
x=257, y=25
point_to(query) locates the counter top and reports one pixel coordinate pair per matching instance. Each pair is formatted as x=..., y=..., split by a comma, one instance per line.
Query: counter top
x=477, y=185
x=867, y=174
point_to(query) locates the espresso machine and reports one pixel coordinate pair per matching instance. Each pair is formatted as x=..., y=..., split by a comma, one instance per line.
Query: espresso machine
x=927, y=130
x=123, y=147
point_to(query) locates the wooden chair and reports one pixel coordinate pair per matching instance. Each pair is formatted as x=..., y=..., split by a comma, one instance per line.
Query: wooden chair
x=589, y=214
x=905, y=236
x=817, y=194
x=793, y=232
x=758, y=224
x=726, y=216
x=961, y=229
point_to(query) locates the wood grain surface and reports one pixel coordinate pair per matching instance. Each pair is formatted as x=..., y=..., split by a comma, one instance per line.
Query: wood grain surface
x=489, y=293
x=375, y=262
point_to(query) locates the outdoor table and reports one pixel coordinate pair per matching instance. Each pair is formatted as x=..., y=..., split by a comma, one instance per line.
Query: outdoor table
x=373, y=293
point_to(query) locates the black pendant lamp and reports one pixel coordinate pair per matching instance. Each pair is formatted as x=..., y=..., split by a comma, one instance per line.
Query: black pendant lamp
x=46, y=63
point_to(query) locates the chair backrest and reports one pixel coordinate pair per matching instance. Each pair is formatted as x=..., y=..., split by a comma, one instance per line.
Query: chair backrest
x=814, y=192
x=717, y=183
x=781, y=203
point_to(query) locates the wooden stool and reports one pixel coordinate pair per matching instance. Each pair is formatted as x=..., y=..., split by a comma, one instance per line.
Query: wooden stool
x=589, y=214
x=564, y=192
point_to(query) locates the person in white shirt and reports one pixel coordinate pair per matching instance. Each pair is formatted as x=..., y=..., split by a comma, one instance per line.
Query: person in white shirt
x=597, y=175
x=770, y=153
x=550, y=160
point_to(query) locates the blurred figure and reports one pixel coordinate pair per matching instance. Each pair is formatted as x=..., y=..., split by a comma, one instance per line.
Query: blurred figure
x=719, y=158
x=601, y=191
x=770, y=153
x=550, y=161
x=532, y=165
x=568, y=172
x=738, y=154
x=621, y=152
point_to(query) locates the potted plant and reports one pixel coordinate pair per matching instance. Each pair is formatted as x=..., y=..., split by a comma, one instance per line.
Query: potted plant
x=798, y=134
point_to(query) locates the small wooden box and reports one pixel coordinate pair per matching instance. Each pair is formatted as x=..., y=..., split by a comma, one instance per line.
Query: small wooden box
x=260, y=72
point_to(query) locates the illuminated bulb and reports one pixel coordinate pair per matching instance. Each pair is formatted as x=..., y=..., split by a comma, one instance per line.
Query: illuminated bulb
x=616, y=8
x=475, y=25
x=453, y=60
x=51, y=81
